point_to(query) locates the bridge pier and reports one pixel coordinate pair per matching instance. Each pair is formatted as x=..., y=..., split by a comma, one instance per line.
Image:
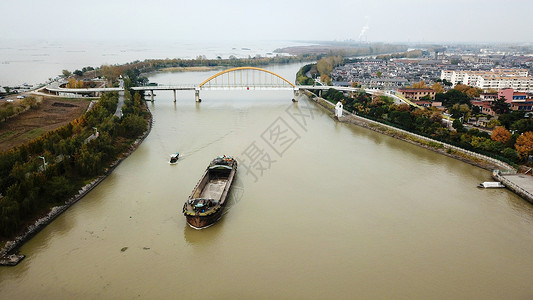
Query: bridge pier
x=174, y=96
x=152, y=95
x=197, y=95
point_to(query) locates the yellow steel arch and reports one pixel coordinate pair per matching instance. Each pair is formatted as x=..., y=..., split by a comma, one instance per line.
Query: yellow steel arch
x=244, y=68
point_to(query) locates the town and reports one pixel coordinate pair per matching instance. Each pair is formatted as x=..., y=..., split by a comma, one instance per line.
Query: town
x=423, y=76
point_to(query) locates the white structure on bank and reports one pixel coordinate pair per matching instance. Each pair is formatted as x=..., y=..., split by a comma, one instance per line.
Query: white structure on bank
x=517, y=79
x=338, y=109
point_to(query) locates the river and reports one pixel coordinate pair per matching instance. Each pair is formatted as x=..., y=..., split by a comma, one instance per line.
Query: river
x=319, y=210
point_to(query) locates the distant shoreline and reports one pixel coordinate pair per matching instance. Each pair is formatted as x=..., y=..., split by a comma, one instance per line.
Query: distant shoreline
x=189, y=69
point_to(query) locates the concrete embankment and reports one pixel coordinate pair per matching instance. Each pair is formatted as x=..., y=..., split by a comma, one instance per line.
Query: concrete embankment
x=521, y=184
x=12, y=246
x=470, y=157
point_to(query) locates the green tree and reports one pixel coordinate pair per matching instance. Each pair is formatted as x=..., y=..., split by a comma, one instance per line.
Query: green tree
x=500, y=106
x=133, y=125
x=452, y=97
x=458, y=125
x=522, y=126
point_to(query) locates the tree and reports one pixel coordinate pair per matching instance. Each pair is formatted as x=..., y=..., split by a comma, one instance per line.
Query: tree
x=500, y=134
x=378, y=74
x=325, y=79
x=452, y=97
x=437, y=87
x=460, y=111
x=493, y=123
x=324, y=66
x=66, y=73
x=473, y=92
x=461, y=88
x=30, y=102
x=458, y=125
x=436, y=117
x=419, y=85
x=111, y=73
x=524, y=144
x=509, y=118
x=500, y=106
x=522, y=126
x=133, y=125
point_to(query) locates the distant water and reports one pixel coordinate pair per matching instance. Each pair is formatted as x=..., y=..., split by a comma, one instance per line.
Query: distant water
x=35, y=61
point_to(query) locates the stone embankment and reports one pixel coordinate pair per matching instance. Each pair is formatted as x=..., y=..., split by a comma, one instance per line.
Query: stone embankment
x=521, y=184
x=7, y=256
x=470, y=157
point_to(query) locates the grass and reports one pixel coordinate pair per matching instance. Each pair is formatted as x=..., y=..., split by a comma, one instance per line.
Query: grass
x=7, y=134
x=34, y=133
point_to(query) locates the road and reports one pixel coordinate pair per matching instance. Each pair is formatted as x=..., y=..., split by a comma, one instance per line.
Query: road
x=118, y=112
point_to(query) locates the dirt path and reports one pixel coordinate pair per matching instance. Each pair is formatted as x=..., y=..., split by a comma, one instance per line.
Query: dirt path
x=51, y=114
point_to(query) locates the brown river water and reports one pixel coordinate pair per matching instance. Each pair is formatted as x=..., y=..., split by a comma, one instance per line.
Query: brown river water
x=319, y=210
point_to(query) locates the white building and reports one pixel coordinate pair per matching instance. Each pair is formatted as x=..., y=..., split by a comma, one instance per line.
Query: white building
x=517, y=79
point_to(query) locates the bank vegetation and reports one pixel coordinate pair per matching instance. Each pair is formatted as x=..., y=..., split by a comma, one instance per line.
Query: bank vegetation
x=45, y=172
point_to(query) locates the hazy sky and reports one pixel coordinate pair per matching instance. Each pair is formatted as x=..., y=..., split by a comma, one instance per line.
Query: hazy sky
x=238, y=20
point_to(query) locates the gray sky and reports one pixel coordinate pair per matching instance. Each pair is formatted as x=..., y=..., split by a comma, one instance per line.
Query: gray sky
x=239, y=20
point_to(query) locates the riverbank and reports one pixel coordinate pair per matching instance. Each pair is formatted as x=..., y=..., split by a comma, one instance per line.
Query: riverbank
x=469, y=157
x=11, y=247
x=187, y=69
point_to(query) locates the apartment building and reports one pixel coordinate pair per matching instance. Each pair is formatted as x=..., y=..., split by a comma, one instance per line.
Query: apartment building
x=416, y=94
x=517, y=79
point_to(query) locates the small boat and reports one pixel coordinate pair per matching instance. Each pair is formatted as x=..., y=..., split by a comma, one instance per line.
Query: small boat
x=208, y=198
x=174, y=158
x=490, y=184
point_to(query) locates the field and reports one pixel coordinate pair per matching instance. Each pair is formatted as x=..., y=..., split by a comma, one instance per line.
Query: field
x=49, y=115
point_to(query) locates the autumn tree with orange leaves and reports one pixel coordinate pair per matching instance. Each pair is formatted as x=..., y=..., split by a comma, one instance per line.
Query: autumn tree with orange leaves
x=524, y=144
x=500, y=134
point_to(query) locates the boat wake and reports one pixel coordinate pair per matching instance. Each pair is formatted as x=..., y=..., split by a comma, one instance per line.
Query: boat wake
x=185, y=154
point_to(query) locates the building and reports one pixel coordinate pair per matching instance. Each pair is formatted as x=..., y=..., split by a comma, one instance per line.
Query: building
x=522, y=105
x=518, y=101
x=488, y=96
x=485, y=107
x=416, y=94
x=507, y=94
x=510, y=95
x=517, y=79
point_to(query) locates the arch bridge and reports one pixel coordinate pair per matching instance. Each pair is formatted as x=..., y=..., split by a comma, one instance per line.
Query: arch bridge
x=241, y=78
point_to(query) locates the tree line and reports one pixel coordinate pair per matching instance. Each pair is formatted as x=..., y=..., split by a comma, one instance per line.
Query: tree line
x=511, y=147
